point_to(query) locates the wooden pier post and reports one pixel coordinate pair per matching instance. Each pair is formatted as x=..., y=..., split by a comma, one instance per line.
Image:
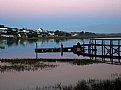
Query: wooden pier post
x=36, y=52
x=111, y=51
x=119, y=50
x=91, y=49
x=102, y=49
x=61, y=49
x=83, y=48
x=95, y=49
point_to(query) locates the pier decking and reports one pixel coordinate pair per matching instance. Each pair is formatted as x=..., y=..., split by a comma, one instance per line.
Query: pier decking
x=45, y=50
x=75, y=49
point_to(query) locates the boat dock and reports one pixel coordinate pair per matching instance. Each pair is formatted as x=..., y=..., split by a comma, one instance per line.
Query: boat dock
x=75, y=49
x=102, y=48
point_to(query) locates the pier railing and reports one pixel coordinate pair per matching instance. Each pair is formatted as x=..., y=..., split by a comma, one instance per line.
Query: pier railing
x=102, y=48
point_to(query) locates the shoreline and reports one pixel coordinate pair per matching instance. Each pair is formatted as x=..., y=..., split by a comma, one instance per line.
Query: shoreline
x=63, y=37
x=52, y=59
x=47, y=59
x=71, y=61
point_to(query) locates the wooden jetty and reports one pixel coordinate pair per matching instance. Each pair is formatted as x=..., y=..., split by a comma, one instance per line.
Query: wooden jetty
x=76, y=48
x=102, y=48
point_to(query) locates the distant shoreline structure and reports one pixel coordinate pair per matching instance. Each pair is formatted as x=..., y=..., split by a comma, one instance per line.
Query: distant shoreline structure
x=61, y=37
x=24, y=33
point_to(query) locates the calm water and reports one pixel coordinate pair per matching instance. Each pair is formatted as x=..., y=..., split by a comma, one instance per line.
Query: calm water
x=25, y=48
x=29, y=75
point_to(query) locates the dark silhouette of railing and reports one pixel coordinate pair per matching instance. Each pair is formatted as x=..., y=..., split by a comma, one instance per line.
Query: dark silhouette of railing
x=102, y=48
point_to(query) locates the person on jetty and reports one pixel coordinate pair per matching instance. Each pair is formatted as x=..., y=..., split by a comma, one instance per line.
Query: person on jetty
x=78, y=44
x=61, y=45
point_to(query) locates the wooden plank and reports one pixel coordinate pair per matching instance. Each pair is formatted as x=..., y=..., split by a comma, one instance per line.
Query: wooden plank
x=44, y=50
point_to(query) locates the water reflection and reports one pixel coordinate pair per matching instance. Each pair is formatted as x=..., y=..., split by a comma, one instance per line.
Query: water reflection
x=25, y=65
x=24, y=42
x=24, y=48
x=15, y=42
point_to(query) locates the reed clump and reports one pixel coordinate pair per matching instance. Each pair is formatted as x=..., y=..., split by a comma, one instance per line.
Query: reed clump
x=34, y=61
x=86, y=62
x=39, y=64
x=25, y=65
x=114, y=84
x=96, y=85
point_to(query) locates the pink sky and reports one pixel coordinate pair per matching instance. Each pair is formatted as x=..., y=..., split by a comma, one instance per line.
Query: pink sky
x=42, y=8
x=60, y=14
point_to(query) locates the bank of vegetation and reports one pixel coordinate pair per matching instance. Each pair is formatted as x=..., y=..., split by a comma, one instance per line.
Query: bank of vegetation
x=62, y=37
x=24, y=33
x=114, y=84
x=39, y=64
x=34, y=60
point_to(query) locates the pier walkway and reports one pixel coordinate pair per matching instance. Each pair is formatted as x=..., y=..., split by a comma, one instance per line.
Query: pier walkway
x=102, y=48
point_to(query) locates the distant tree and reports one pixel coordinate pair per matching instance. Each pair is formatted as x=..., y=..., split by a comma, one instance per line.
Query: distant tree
x=59, y=33
x=89, y=33
x=42, y=29
x=24, y=28
x=32, y=34
x=67, y=34
x=81, y=33
x=2, y=26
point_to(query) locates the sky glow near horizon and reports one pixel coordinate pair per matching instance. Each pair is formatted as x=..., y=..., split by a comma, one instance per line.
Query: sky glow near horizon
x=56, y=14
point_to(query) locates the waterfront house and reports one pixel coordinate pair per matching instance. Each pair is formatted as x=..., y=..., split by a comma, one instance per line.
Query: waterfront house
x=9, y=32
x=5, y=28
x=51, y=33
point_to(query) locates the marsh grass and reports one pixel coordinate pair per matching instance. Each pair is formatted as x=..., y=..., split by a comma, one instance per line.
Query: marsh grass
x=35, y=64
x=96, y=85
x=35, y=60
x=86, y=62
x=114, y=84
x=39, y=64
x=25, y=65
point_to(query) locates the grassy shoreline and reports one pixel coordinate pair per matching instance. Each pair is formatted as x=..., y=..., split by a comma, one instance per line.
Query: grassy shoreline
x=64, y=37
x=39, y=64
x=72, y=61
x=92, y=84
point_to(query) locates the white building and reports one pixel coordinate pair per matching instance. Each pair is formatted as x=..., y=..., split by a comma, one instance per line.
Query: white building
x=75, y=34
x=7, y=35
x=39, y=30
x=3, y=28
x=51, y=33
